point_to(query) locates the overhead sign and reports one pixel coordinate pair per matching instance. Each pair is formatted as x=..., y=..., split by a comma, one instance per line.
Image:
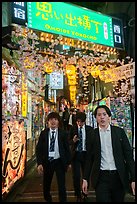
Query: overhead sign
x=56, y=80
x=19, y=13
x=75, y=22
x=118, y=36
x=122, y=72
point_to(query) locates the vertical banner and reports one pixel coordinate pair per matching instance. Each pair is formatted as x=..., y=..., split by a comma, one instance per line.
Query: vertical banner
x=24, y=97
x=13, y=153
x=19, y=13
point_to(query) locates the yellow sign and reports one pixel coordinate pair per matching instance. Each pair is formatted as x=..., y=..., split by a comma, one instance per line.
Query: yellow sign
x=24, y=98
x=28, y=64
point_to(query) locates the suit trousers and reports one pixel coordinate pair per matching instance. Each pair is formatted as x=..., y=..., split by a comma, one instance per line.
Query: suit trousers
x=57, y=167
x=78, y=163
x=109, y=187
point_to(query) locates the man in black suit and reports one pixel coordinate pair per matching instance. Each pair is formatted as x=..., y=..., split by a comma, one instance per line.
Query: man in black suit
x=79, y=135
x=111, y=159
x=65, y=118
x=72, y=118
x=53, y=155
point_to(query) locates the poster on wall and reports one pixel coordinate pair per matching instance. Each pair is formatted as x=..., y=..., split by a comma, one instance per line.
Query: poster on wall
x=121, y=115
x=11, y=91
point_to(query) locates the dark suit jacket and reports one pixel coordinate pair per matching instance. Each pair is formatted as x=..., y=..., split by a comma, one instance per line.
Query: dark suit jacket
x=43, y=145
x=74, y=131
x=122, y=152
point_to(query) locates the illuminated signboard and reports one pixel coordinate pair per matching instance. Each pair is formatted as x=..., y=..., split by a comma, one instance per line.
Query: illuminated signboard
x=24, y=97
x=56, y=80
x=19, y=13
x=75, y=22
x=13, y=153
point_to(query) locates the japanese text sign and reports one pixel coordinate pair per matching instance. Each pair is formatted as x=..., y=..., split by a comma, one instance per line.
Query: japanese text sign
x=75, y=22
x=56, y=80
x=19, y=13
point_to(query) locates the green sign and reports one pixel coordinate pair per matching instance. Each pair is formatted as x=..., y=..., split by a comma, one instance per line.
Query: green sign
x=70, y=21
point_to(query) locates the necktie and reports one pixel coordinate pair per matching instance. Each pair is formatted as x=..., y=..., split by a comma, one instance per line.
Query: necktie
x=80, y=140
x=52, y=144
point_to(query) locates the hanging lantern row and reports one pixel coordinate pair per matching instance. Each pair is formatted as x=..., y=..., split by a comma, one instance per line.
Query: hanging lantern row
x=47, y=37
x=100, y=63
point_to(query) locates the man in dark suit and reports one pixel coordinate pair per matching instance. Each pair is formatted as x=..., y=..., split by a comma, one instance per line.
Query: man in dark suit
x=53, y=155
x=65, y=118
x=79, y=135
x=111, y=159
x=72, y=118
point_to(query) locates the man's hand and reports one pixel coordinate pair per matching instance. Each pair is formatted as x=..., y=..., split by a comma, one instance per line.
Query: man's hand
x=133, y=188
x=40, y=169
x=69, y=167
x=75, y=138
x=84, y=186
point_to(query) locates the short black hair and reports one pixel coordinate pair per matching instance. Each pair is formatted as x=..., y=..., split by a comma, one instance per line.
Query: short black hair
x=106, y=109
x=81, y=116
x=53, y=115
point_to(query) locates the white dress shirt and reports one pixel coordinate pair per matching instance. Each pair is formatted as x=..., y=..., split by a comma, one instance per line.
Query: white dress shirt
x=83, y=137
x=70, y=120
x=56, y=149
x=107, y=158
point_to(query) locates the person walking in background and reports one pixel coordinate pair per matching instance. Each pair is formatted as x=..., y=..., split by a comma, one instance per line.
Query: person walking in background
x=65, y=118
x=111, y=159
x=72, y=118
x=53, y=155
x=80, y=135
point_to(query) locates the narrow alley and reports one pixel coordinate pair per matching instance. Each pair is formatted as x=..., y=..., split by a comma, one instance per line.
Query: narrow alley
x=30, y=189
